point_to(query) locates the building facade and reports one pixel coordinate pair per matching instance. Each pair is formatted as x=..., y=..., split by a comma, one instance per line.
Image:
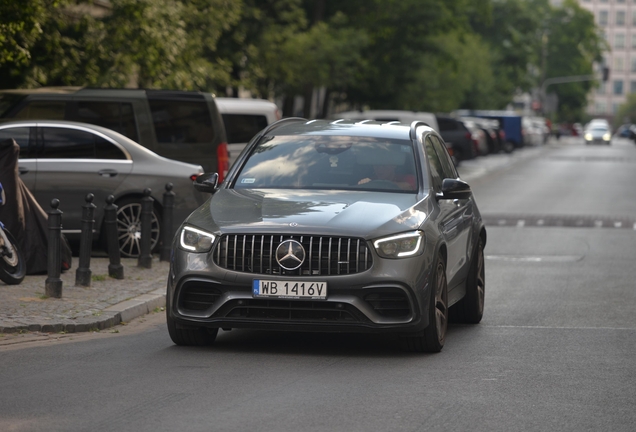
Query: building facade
x=617, y=20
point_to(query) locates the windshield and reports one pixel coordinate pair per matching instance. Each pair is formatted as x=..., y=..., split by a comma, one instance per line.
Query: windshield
x=330, y=162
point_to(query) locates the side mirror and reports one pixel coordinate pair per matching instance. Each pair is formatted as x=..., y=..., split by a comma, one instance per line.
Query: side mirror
x=455, y=189
x=207, y=182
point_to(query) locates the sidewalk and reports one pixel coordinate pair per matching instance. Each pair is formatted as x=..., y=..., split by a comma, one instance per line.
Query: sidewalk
x=106, y=303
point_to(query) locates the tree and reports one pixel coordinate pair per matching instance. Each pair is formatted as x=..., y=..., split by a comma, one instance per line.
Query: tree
x=573, y=45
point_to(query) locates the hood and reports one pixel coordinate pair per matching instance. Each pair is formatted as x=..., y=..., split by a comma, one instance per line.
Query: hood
x=338, y=213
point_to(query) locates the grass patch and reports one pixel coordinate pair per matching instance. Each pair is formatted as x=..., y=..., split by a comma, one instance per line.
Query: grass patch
x=99, y=278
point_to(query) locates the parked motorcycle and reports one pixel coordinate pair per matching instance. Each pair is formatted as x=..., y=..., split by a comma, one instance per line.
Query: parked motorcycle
x=12, y=264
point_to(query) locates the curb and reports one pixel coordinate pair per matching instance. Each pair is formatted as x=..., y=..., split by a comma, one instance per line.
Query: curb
x=110, y=317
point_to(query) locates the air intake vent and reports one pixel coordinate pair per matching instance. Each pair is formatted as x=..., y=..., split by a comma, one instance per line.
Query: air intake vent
x=198, y=296
x=323, y=255
x=389, y=303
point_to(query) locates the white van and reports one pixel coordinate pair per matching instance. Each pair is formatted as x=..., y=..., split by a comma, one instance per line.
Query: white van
x=391, y=115
x=244, y=118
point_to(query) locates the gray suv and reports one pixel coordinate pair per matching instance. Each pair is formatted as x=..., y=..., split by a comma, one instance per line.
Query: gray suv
x=180, y=125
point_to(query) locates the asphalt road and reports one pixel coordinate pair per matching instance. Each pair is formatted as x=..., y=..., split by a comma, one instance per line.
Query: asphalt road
x=556, y=349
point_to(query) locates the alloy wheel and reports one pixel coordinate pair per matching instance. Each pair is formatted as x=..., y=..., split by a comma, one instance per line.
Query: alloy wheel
x=441, y=303
x=129, y=229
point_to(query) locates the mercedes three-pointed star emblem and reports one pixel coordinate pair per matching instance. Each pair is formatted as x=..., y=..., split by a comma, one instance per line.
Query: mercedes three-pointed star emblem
x=290, y=254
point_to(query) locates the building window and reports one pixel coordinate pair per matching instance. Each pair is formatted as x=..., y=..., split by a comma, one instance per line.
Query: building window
x=634, y=41
x=601, y=107
x=633, y=68
x=619, y=40
x=620, y=18
x=618, y=87
x=601, y=89
x=602, y=18
x=619, y=64
x=632, y=87
x=615, y=108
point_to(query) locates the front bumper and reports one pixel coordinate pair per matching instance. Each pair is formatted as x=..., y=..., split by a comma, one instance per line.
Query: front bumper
x=392, y=296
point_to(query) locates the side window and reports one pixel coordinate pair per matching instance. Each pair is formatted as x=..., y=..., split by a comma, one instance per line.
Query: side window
x=448, y=169
x=49, y=110
x=181, y=122
x=61, y=143
x=117, y=116
x=241, y=128
x=434, y=164
x=107, y=150
x=21, y=136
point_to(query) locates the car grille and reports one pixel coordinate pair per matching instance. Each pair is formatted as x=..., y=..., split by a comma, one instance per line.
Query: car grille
x=198, y=296
x=323, y=255
x=280, y=310
x=389, y=303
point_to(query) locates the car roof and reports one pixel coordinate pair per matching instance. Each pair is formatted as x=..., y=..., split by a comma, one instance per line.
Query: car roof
x=133, y=148
x=347, y=127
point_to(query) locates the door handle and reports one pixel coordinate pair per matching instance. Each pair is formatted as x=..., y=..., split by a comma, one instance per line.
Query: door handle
x=107, y=173
x=23, y=170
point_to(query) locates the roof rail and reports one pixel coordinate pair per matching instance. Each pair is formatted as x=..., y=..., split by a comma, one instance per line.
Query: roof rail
x=278, y=123
x=414, y=126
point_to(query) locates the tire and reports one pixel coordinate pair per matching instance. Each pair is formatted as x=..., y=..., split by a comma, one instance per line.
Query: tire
x=470, y=309
x=189, y=337
x=129, y=227
x=12, y=264
x=509, y=146
x=432, y=338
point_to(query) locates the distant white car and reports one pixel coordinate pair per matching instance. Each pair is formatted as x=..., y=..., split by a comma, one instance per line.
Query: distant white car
x=597, y=133
x=243, y=119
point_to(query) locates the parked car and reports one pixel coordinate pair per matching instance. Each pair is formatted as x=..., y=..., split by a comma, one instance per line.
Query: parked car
x=597, y=133
x=333, y=226
x=456, y=134
x=243, y=119
x=494, y=135
x=179, y=125
x=533, y=133
x=509, y=124
x=479, y=135
x=69, y=160
x=624, y=131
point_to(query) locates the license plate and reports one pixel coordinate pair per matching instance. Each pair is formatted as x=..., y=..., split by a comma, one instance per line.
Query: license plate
x=290, y=289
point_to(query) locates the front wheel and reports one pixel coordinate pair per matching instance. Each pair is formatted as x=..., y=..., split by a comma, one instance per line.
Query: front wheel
x=434, y=335
x=470, y=309
x=12, y=265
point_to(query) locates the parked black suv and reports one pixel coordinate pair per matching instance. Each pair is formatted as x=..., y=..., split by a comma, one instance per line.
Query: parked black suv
x=180, y=125
x=455, y=133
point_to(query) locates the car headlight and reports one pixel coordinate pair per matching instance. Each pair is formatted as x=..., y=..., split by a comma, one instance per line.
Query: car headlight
x=607, y=137
x=401, y=245
x=195, y=240
x=588, y=137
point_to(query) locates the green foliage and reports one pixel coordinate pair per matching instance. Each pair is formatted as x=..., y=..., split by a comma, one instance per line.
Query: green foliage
x=573, y=44
x=627, y=111
x=435, y=55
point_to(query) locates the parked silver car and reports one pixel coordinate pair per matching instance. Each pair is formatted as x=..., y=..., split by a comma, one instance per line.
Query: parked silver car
x=68, y=160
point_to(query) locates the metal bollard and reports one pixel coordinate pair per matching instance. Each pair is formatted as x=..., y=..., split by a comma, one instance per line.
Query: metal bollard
x=167, y=229
x=115, y=269
x=83, y=272
x=145, y=257
x=53, y=283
